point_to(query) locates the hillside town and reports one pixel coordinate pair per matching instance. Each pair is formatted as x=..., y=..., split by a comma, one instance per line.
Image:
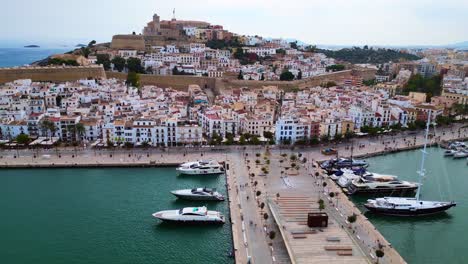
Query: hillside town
x=110, y=112
x=382, y=98
x=179, y=47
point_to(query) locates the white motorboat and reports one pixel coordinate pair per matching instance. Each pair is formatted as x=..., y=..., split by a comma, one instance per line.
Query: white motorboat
x=191, y=215
x=199, y=194
x=200, y=168
x=450, y=152
x=410, y=206
x=461, y=154
x=457, y=144
x=347, y=178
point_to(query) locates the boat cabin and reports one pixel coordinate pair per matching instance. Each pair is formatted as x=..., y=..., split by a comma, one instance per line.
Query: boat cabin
x=200, y=211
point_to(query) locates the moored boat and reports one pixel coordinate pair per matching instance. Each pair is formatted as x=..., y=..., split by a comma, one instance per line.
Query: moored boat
x=191, y=215
x=382, y=186
x=450, y=152
x=461, y=154
x=199, y=194
x=200, y=168
x=406, y=206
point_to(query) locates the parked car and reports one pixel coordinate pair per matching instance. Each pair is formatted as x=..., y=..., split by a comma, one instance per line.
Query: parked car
x=329, y=151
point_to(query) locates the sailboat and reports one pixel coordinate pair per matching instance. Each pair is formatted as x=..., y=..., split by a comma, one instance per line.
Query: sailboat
x=410, y=206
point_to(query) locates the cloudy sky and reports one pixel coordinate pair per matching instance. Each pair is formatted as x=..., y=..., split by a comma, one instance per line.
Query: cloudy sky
x=341, y=22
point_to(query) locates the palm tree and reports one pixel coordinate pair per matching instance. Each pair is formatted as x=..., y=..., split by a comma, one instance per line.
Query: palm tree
x=52, y=128
x=70, y=130
x=379, y=253
x=47, y=127
x=43, y=126
x=80, y=129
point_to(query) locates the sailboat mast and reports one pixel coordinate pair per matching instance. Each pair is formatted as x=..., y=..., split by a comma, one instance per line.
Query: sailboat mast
x=422, y=171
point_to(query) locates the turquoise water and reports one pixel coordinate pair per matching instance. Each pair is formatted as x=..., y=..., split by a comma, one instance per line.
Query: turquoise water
x=431, y=239
x=104, y=216
x=20, y=56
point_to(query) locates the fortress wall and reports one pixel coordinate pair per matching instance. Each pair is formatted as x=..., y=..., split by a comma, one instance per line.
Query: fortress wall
x=52, y=74
x=177, y=82
x=230, y=83
x=365, y=73
x=128, y=42
x=221, y=84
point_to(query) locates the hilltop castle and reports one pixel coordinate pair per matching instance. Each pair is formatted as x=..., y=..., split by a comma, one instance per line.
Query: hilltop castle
x=171, y=28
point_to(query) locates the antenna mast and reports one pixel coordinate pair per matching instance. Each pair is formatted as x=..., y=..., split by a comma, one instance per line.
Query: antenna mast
x=422, y=171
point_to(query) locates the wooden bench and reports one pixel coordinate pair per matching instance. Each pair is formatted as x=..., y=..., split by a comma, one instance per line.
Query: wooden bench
x=298, y=232
x=333, y=239
x=299, y=236
x=337, y=248
x=344, y=253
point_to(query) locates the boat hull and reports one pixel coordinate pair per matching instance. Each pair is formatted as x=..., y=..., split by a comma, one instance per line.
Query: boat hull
x=403, y=212
x=205, y=172
x=192, y=222
x=460, y=156
x=383, y=191
x=197, y=197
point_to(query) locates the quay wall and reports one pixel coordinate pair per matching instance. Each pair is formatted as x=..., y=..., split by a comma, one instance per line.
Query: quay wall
x=88, y=165
x=52, y=74
x=396, y=150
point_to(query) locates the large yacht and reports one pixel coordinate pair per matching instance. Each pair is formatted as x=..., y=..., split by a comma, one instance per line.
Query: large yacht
x=200, y=168
x=349, y=176
x=381, y=186
x=200, y=194
x=410, y=206
x=191, y=215
x=406, y=206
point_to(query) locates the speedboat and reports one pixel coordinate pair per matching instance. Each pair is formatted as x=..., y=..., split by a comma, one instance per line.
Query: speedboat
x=450, y=152
x=406, y=206
x=191, y=215
x=461, y=154
x=200, y=168
x=200, y=194
x=381, y=185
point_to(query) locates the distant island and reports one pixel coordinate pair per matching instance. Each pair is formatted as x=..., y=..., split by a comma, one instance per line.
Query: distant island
x=80, y=45
x=32, y=46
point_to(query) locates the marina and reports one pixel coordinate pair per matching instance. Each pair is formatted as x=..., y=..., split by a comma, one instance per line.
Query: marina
x=414, y=237
x=104, y=215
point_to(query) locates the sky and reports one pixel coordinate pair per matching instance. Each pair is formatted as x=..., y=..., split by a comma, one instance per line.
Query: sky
x=329, y=22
